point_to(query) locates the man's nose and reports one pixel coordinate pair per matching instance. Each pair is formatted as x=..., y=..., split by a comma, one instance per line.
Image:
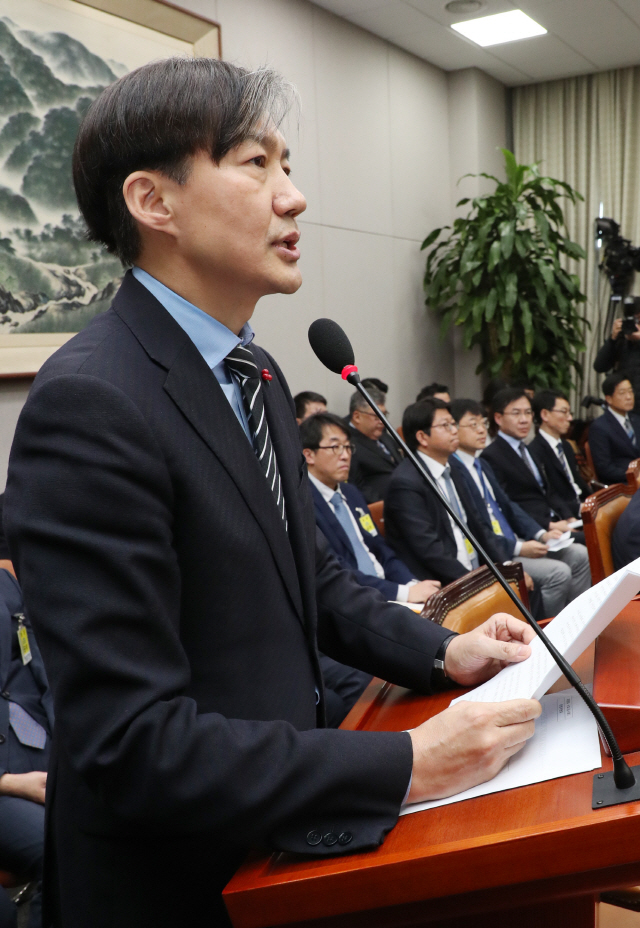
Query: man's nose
x=289, y=201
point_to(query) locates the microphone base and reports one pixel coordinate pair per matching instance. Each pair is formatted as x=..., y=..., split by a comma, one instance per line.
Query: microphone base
x=606, y=793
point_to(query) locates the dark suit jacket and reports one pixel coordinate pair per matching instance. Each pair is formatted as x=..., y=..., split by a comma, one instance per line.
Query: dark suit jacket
x=26, y=683
x=561, y=493
x=518, y=482
x=371, y=468
x=625, y=541
x=395, y=571
x=523, y=525
x=178, y=622
x=418, y=528
x=611, y=448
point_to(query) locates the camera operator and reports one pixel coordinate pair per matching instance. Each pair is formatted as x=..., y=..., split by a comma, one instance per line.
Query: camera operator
x=622, y=350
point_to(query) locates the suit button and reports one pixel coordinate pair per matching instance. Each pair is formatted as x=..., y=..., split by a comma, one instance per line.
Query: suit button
x=5, y=694
x=329, y=839
x=313, y=838
x=2, y=739
x=345, y=838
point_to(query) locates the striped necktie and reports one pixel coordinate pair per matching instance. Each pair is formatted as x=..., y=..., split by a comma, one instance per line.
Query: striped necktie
x=241, y=364
x=629, y=429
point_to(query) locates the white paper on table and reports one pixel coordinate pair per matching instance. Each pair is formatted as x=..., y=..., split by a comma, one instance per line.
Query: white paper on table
x=576, y=525
x=572, y=631
x=566, y=742
x=557, y=544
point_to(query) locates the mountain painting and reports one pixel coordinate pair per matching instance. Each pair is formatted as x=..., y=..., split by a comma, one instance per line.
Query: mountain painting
x=56, y=56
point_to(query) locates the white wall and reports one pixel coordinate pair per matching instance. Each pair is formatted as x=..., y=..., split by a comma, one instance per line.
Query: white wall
x=373, y=156
x=477, y=132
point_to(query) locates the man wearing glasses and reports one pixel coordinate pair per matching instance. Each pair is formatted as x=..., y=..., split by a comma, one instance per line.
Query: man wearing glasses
x=524, y=480
x=513, y=535
x=417, y=525
x=344, y=519
x=551, y=450
x=614, y=438
x=377, y=456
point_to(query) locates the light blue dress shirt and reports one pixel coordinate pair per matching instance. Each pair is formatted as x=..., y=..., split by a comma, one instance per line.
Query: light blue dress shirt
x=213, y=340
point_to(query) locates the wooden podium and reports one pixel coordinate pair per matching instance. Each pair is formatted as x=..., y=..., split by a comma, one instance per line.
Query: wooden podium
x=534, y=857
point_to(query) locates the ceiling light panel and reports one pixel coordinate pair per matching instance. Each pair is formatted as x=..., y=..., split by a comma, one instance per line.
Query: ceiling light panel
x=499, y=28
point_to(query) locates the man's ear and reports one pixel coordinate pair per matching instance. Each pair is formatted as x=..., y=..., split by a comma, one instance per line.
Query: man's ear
x=147, y=195
x=309, y=455
x=422, y=438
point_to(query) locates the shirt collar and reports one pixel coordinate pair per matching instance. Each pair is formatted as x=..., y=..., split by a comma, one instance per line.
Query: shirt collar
x=514, y=442
x=326, y=492
x=467, y=459
x=552, y=441
x=621, y=419
x=436, y=469
x=213, y=340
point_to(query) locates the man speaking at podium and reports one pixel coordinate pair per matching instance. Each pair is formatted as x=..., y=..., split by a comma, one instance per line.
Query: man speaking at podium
x=161, y=524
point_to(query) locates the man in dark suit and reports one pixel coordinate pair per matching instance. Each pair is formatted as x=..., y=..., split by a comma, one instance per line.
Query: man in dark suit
x=377, y=456
x=514, y=534
x=160, y=521
x=625, y=541
x=524, y=480
x=614, y=438
x=26, y=724
x=417, y=526
x=554, y=455
x=343, y=517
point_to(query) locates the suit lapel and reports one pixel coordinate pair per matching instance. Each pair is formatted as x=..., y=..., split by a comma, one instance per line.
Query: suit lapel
x=523, y=469
x=195, y=390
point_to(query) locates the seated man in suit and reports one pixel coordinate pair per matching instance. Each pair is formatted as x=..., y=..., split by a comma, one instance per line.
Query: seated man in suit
x=344, y=519
x=515, y=534
x=417, y=526
x=553, y=453
x=625, y=540
x=524, y=480
x=308, y=404
x=614, y=438
x=377, y=456
x=26, y=724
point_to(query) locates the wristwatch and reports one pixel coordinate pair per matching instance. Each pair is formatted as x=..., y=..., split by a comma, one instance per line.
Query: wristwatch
x=439, y=679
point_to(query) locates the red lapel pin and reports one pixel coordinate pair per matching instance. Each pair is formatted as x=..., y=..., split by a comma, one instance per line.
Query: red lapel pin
x=266, y=375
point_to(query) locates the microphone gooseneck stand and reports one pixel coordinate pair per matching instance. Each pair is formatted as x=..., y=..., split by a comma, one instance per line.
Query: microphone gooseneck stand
x=619, y=786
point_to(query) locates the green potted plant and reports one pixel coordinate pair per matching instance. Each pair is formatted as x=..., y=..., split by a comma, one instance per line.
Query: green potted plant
x=499, y=276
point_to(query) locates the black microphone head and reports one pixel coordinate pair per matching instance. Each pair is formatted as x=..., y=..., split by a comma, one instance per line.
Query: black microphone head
x=330, y=345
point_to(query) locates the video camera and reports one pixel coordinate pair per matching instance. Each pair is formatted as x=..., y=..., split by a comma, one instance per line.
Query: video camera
x=621, y=259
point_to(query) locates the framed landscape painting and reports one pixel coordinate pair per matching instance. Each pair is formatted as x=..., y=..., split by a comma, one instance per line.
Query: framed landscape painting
x=56, y=56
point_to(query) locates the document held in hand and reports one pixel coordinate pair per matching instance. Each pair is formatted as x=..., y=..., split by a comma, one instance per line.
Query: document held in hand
x=572, y=631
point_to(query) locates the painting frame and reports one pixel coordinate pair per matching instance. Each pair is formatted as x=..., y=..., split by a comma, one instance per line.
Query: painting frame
x=22, y=354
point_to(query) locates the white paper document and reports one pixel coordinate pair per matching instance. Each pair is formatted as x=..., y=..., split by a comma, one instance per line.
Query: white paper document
x=557, y=544
x=566, y=741
x=572, y=631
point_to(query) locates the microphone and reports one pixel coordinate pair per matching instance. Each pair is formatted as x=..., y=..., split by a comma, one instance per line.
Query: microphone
x=592, y=401
x=332, y=347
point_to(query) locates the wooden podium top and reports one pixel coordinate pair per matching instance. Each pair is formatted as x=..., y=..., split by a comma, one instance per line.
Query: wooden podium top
x=507, y=849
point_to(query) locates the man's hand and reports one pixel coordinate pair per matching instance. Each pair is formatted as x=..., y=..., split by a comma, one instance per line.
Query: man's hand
x=549, y=536
x=420, y=592
x=479, y=654
x=533, y=549
x=468, y=744
x=615, y=328
x=562, y=526
x=528, y=581
x=24, y=785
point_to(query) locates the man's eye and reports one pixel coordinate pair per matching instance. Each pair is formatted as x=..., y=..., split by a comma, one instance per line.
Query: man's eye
x=259, y=160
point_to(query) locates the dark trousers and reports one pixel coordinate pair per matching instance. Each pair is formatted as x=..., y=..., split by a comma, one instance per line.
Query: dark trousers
x=343, y=687
x=21, y=849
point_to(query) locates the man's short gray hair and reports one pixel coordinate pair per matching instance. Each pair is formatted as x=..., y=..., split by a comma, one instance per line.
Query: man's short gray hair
x=358, y=401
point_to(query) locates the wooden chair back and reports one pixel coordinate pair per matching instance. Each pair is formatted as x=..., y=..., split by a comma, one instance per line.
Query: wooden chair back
x=471, y=600
x=587, y=452
x=633, y=474
x=600, y=513
x=377, y=514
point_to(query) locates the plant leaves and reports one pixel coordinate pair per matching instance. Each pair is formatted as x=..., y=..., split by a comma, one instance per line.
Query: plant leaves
x=430, y=239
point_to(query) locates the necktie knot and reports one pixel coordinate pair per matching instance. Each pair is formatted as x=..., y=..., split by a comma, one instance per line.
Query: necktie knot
x=240, y=362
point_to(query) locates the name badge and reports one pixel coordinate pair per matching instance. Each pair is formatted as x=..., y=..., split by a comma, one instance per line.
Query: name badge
x=23, y=640
x=366, y=523
x=495, y=525
x=469, y=547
